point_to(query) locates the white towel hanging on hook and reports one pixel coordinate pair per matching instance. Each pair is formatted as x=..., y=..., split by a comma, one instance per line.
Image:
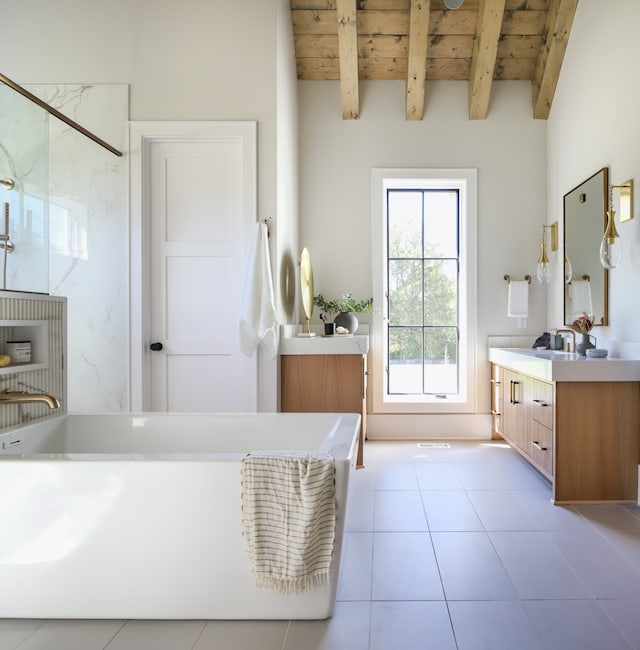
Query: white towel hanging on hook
x=258, y=324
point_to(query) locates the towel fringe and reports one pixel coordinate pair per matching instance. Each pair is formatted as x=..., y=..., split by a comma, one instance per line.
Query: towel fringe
x=294, y=586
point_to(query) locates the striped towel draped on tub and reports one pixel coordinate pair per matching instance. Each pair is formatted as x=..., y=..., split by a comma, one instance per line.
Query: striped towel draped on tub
x=289, y=518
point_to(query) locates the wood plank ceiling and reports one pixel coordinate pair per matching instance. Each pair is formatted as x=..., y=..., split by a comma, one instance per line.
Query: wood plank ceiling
x=421, y=40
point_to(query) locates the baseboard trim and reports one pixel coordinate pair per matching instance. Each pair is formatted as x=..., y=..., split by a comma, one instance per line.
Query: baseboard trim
x=412, y=426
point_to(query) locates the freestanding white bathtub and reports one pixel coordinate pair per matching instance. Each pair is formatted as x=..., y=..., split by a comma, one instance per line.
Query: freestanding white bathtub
x=138, y=516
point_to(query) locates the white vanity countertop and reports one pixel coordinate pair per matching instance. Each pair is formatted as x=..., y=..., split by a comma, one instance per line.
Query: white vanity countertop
x=338, y=344
x=550, y=365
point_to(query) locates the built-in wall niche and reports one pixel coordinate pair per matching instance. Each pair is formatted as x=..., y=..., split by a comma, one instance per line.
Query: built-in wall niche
x=36, y=331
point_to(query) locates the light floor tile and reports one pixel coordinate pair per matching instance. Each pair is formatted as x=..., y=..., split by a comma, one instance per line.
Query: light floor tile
x=242, y=635
x=399, y=510
x=347, y=629
x=15, y=631
x=470, y=568
x=627, y=542
x=493, y=625
x=500, y=510
x=548, y=516
x=437, y=476
x=574, y=625
x=599, y=565
x=493, y=476
x=355, y=570
x=609, y=516
x=395, y=476
x=360, y=510
x=72, y=635
x=159, y=635
x=535, y=566
x=411, y=626
x=624, y=613
x=404, y=568
x=363, y=478
x=450, y=511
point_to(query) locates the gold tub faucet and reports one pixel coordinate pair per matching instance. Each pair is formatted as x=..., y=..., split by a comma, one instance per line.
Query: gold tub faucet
x=20, y=397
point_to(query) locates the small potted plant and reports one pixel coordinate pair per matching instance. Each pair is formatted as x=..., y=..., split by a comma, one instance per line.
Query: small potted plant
x=346, y=309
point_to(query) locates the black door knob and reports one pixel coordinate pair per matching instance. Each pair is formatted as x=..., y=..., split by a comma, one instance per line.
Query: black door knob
x=156, y=347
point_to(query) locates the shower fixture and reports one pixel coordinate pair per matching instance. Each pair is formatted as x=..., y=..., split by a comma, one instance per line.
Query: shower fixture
x=5, y=244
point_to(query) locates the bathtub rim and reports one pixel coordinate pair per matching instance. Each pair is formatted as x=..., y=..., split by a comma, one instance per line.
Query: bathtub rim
x=338, y=441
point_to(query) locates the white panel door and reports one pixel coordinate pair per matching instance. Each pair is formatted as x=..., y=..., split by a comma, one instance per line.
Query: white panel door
x=198, y=227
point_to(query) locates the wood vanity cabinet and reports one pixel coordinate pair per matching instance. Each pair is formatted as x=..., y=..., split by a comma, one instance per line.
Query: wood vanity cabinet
x=326, y=383
x=583, y=436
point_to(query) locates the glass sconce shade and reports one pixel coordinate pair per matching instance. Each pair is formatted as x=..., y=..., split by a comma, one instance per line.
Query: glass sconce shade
x=542, y=270
x=611, y=245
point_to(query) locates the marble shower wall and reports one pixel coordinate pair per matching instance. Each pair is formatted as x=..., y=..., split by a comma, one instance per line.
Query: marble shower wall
x=89, y=241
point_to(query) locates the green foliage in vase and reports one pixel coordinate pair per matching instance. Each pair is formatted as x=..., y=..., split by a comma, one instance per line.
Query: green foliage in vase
x=345, y=304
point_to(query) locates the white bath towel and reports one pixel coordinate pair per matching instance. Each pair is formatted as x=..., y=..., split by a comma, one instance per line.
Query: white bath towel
x=518, y=301
x=580, y=303
x=289, y=518
x=258, y=324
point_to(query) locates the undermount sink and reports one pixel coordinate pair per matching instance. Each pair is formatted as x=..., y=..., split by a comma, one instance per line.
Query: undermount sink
x=555, y=354
x=557, y=365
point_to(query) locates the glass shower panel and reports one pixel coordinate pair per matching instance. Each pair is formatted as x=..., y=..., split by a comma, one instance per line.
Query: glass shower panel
x=24, y=158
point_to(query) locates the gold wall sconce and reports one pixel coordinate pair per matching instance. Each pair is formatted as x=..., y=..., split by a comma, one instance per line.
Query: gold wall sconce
x=611, y=244
x=542, y=271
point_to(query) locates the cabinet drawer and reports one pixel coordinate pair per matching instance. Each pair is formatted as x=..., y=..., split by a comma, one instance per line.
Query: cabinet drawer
x=542, y=403
x=541, y=447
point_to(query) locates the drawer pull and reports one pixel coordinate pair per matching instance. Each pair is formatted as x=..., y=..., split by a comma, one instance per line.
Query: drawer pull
x=512, y=391
x=539, y=402
x=537, y=445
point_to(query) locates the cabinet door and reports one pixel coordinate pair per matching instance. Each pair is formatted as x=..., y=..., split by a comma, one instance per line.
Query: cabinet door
x=515, y=408
x=322, y=383
x=497, y=400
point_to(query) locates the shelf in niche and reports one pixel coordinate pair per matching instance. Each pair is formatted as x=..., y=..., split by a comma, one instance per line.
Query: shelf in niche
x=36, y=331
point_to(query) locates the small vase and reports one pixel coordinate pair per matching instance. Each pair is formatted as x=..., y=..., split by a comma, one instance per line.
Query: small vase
x=585, y=344
x=348, y=320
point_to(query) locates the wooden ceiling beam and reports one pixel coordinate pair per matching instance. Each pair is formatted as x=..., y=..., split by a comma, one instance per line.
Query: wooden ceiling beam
x=483, y=59
x=348, y=54
x=549, y=62
x=417, y=57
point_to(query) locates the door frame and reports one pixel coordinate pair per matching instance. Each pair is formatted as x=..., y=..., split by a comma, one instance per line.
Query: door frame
x=141, y=135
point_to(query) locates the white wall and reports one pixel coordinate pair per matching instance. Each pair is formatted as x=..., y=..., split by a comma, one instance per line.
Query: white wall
x=508, y=149
x=188, y=60
x=594, y=123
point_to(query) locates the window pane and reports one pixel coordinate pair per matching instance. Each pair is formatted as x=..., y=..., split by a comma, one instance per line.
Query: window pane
x=405, y=224
x=405, y=360
x=405, y=292
x=440, y=224
x=440, y=292
x=441, y=360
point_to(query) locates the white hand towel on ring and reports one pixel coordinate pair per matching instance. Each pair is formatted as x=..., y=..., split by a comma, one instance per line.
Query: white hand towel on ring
x=518, y=301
